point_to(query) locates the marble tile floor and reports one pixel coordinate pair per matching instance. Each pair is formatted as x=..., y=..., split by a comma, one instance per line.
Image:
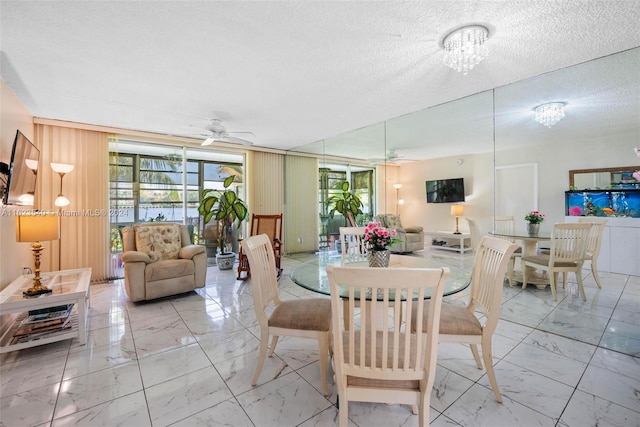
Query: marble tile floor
x=188, y=361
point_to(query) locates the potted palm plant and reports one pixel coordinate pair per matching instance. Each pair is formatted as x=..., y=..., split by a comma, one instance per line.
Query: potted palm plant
x=345, y=203
x=227, y=209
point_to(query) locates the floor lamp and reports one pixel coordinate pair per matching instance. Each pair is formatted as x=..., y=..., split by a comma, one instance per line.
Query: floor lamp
x=399, y=201
x=61, y=201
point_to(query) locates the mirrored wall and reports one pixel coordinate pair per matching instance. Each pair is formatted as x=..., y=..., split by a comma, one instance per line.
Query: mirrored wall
x=472, y=136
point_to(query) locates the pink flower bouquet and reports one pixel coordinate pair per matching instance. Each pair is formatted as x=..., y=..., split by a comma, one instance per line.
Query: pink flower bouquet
x=377, y=238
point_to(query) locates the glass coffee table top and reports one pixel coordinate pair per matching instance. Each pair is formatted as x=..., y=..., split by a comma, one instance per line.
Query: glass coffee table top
x=61, y=283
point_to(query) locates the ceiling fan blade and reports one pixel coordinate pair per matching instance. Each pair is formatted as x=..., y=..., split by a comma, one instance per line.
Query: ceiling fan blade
x=246, y=133
x=208, y=141
x=234, y=140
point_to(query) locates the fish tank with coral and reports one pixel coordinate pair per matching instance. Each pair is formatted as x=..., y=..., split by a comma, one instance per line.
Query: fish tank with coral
x=616, y=202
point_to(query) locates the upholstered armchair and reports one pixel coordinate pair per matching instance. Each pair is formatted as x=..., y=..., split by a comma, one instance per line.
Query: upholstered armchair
x=412, y=237
x=159, y=260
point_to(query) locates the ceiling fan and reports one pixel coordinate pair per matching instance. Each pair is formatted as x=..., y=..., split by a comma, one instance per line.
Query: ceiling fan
x=216, y=132
x=392, y=157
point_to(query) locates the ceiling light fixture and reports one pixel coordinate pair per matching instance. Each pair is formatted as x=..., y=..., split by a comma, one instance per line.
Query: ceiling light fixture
x=549, y=114
x=465, y=47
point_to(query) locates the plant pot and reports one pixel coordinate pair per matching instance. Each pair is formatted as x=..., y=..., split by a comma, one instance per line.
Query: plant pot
x=379, y=258
x=225, y=261
x=533, y=229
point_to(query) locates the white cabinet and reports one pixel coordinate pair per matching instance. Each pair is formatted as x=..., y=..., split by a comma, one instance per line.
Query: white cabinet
x=620, y=250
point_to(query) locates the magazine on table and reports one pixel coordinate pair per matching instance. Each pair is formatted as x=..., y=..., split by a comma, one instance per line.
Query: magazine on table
x=45, y=317
x=41, y=333
x=33, y=329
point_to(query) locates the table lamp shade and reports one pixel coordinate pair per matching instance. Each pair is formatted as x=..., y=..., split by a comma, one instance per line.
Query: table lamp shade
x=457, y=210
x=35, y=228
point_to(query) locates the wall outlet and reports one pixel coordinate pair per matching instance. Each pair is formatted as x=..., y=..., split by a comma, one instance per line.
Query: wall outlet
x=299, y=239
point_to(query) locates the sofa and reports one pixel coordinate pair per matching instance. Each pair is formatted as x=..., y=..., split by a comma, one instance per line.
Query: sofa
x=159, y=261
x=412, y=237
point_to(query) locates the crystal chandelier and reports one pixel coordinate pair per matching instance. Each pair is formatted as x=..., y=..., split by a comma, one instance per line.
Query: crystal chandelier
x=550, y=114
x=465, y=47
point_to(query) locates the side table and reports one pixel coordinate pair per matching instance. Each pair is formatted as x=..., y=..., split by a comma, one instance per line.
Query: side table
x=460, y=243
x=68, y=287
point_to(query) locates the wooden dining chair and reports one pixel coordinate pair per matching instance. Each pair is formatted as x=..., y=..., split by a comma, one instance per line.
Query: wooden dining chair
x=305, y=318
x=271, y=225
x=507, y=225
x=566, y=255
x=475, y=323
x=594, y=242
x=386, y=364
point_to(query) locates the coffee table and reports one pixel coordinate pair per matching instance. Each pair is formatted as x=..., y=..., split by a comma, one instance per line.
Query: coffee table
x=68, y=287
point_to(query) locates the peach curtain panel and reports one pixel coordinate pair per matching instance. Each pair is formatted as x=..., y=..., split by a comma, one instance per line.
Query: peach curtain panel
x=301, y=214
x=84, y=223
x=265, y=183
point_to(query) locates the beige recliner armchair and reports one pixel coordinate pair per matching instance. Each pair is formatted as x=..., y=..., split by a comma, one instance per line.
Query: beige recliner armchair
x=412, y=238
x=159, y=260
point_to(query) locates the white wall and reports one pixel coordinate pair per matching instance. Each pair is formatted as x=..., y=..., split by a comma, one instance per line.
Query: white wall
x=477, y=172
x=13, y=116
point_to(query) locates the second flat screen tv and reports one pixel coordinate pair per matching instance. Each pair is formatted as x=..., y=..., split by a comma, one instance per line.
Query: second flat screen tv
x=445, y=190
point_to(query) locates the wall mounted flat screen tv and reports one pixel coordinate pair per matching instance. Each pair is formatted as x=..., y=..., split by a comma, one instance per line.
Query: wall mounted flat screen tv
x=23, y=169
x=445, y=190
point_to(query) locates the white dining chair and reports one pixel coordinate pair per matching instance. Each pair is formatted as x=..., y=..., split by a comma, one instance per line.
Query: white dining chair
x=352, y=244
x=387, y=364
x=304, y=318
x=594, y=242
x=476, y=235
x=566, y=255
x=475, y=323
x=507, y=225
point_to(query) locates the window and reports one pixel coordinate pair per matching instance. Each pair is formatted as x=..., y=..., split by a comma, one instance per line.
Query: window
x=330, y=181
x=147, y=185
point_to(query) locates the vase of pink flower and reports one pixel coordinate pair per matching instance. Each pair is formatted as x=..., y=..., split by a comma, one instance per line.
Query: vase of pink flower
x=534, y=218
x=377, y=239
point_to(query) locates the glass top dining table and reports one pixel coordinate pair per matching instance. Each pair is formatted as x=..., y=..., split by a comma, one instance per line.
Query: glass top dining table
x=312, y=274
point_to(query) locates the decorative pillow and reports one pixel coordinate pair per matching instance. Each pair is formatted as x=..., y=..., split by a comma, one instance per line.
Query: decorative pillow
x=159, y=241
x=393, y=221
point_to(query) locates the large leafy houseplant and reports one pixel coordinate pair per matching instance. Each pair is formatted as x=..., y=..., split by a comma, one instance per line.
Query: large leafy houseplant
x=225, y=207
x=344, y=202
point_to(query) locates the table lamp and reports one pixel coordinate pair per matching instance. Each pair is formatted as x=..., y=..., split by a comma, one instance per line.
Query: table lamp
x=457, y=211
x=36, y=228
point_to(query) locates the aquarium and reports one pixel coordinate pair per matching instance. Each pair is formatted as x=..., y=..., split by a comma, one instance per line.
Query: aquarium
x=607, y=203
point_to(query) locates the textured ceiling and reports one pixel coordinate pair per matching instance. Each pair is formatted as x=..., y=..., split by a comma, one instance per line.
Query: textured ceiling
x=289, y=72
